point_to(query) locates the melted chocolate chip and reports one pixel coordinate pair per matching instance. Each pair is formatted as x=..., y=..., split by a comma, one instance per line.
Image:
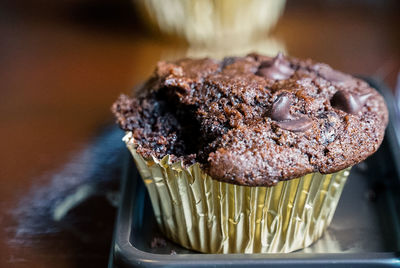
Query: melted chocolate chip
x=329, y=74
x=278, y=68
x=296, y=125
x=348, y=102
x=281, y=109
x=280, y=112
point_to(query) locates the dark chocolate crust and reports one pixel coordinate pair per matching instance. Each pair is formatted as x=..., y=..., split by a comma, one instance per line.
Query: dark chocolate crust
x=255, y=120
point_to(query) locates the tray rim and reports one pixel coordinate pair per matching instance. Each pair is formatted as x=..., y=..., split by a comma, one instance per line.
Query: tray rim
x=125, y=254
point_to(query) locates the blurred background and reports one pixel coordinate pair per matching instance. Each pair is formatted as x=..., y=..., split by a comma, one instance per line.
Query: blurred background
x=63, y=63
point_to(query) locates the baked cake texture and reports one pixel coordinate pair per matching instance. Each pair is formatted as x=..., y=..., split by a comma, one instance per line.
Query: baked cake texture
x=255, y=120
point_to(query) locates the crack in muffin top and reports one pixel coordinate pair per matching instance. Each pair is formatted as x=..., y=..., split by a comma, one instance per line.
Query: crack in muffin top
x=255, y=120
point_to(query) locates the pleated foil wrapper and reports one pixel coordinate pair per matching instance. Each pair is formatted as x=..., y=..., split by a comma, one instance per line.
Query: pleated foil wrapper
x=201, y=22
x=210, y=216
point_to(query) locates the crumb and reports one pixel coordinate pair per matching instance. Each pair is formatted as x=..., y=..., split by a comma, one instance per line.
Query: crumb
x=158, y=242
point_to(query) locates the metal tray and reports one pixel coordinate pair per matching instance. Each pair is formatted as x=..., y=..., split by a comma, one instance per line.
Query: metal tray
x=365, y=231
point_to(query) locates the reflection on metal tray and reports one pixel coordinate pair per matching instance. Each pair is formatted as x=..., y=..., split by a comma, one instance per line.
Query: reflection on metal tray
x=365, y=230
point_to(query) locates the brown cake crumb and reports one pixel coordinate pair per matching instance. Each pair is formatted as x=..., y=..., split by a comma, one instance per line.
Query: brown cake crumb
x=255, y=120
x=158, y=242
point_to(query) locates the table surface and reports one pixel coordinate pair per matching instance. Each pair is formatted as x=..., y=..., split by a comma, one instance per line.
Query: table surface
x=63, y=65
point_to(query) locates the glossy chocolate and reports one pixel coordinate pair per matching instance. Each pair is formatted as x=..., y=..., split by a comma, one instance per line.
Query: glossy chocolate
x=281, y=108
x=277, y=68
x=296, y=125
x=331, y=75
x=349, y=102
x=281, y=112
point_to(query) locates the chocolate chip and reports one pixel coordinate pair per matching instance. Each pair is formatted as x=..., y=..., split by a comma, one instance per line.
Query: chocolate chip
x=281, y=109
x=329, y=74
x=277, y=68
x=348, y=102
x=296, y=125
x=280, y=112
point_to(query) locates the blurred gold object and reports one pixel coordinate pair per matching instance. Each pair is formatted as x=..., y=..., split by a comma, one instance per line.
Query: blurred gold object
x=267, y=46
x=209, y=21
x=209, y=216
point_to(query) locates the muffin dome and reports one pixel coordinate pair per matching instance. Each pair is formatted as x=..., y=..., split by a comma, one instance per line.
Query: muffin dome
x=255, y=120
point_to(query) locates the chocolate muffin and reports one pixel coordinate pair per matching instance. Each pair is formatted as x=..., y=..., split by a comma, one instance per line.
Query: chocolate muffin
x=255, y=120
x=250, y=121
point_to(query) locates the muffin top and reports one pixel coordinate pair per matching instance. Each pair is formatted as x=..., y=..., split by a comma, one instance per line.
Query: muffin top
x=254, y=120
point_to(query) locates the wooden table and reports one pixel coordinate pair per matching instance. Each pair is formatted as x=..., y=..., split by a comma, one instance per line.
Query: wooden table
x=62, y=67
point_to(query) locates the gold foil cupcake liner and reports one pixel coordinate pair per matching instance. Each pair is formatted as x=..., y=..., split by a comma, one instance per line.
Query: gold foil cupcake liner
x=208, y=21
x=210, y=216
